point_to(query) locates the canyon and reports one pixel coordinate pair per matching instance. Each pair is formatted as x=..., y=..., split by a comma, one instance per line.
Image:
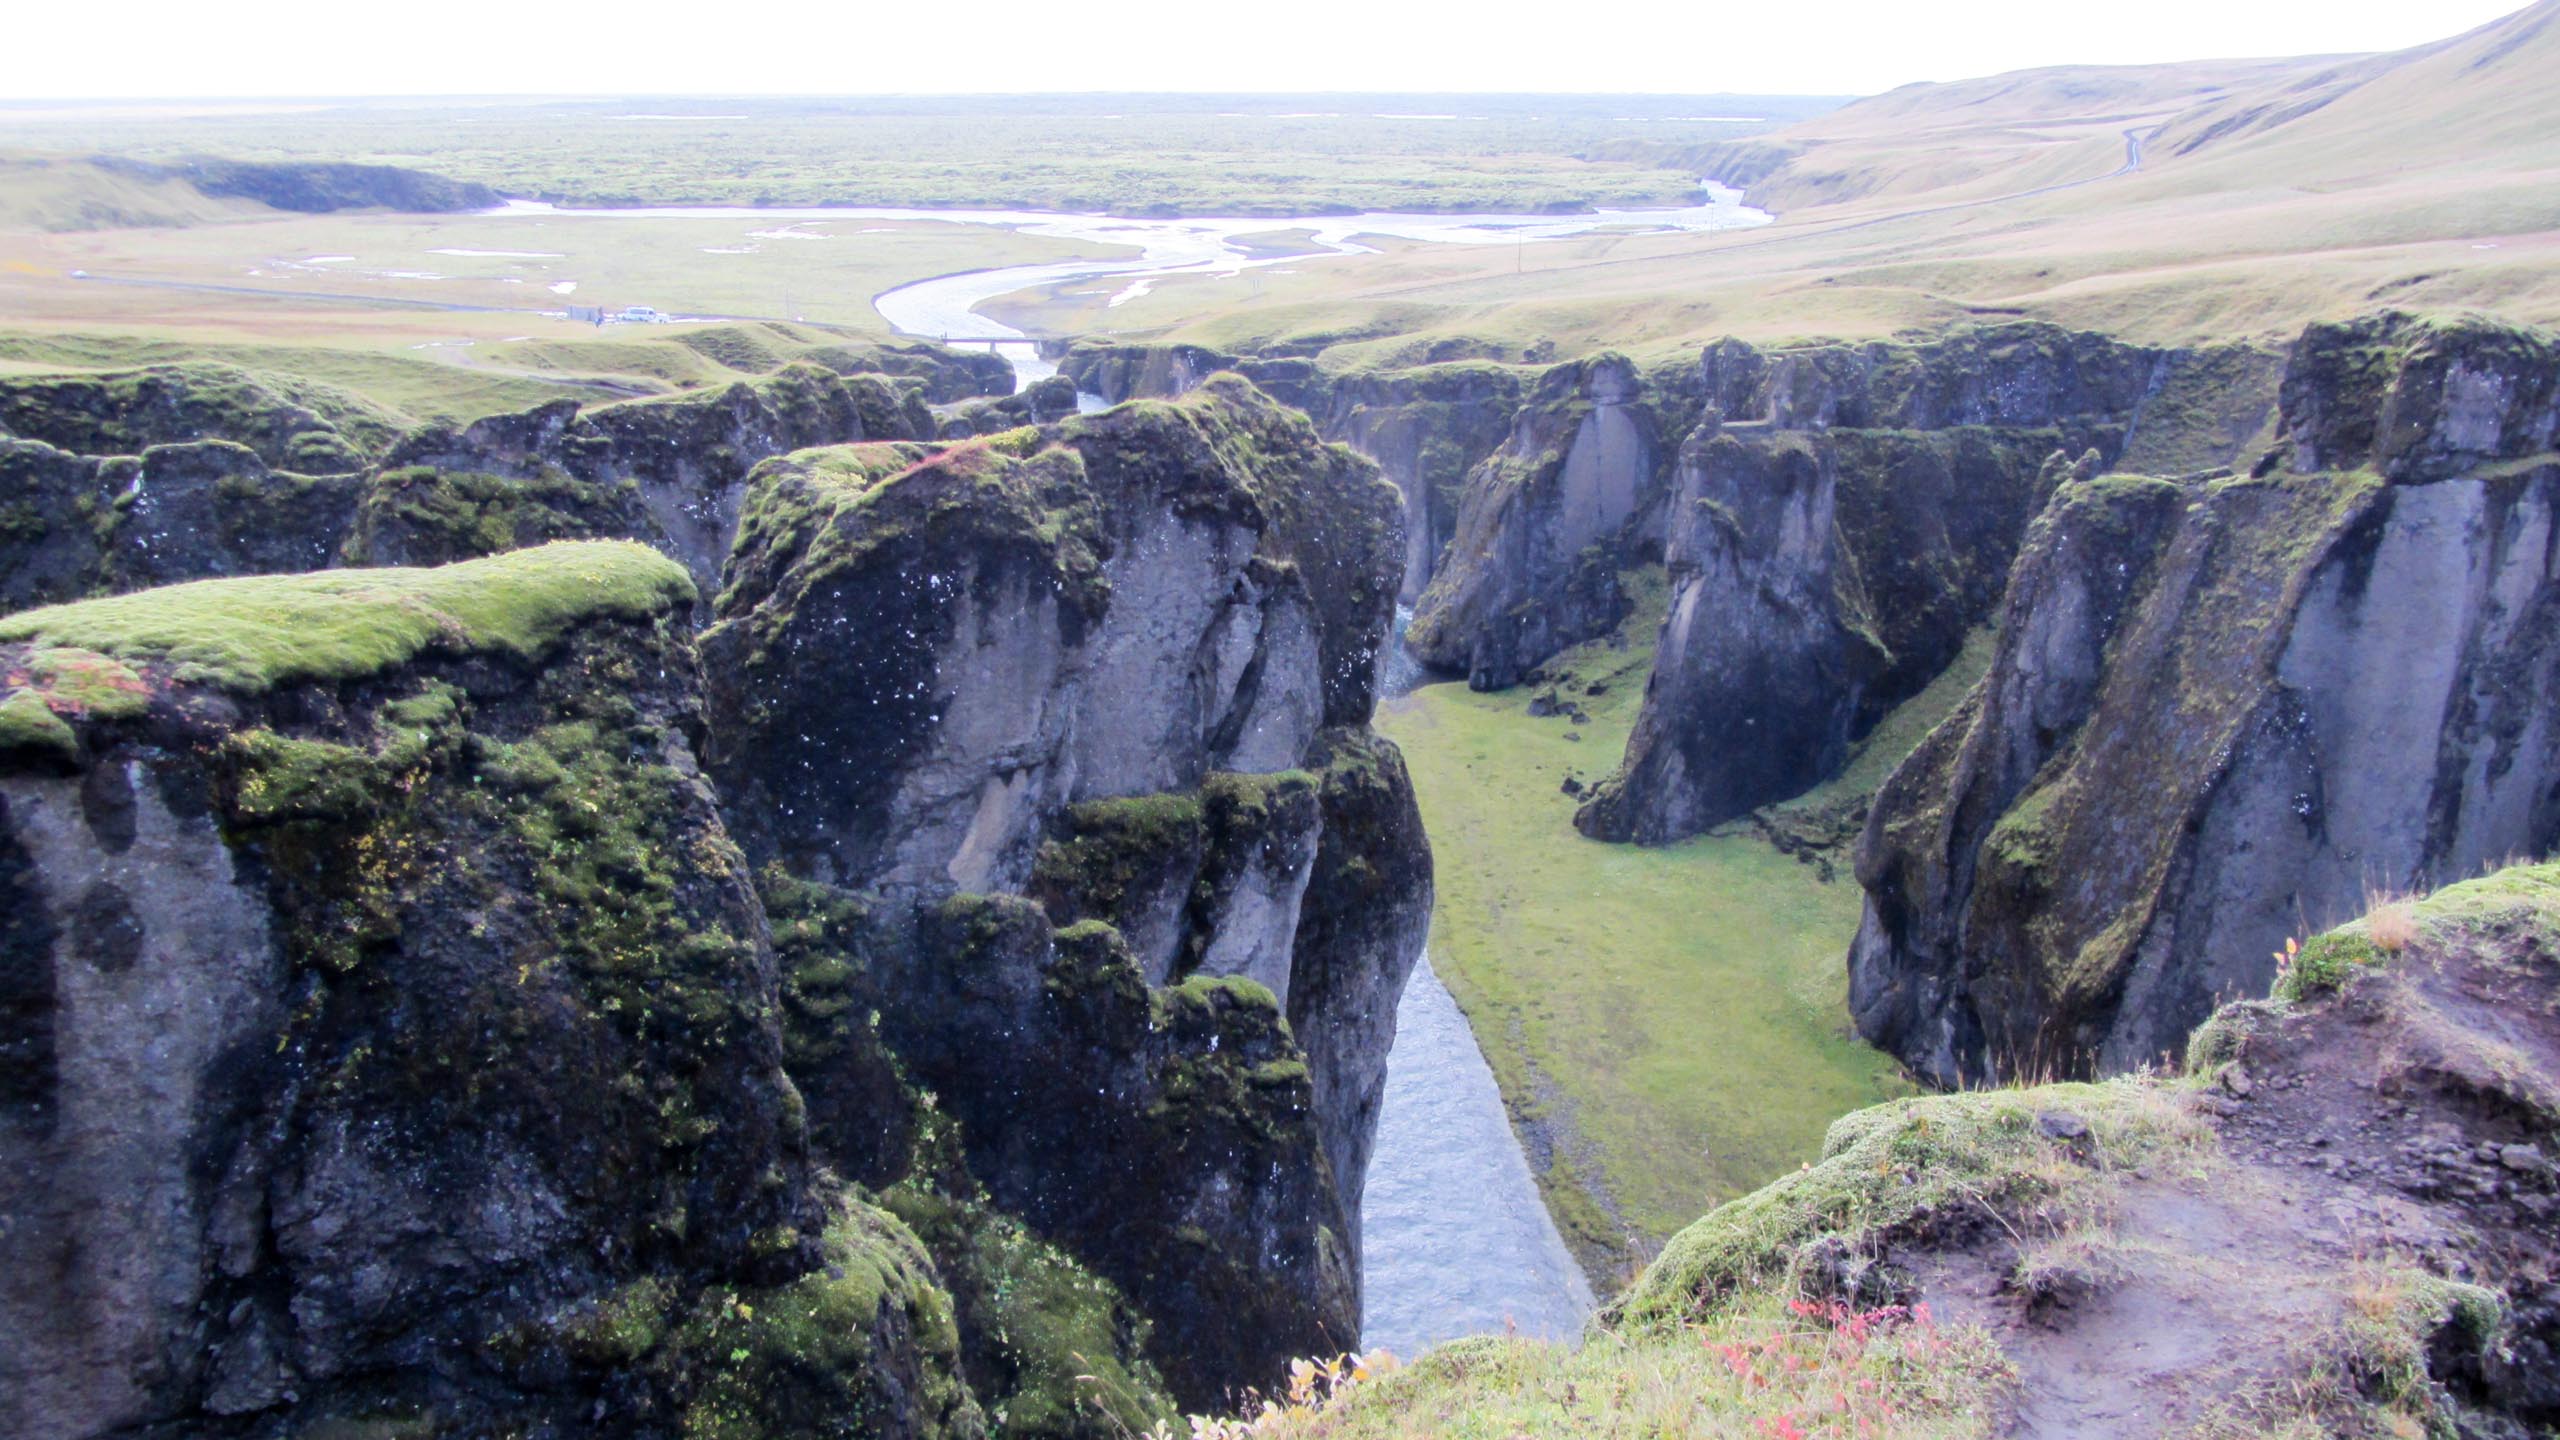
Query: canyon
x=1416, y=804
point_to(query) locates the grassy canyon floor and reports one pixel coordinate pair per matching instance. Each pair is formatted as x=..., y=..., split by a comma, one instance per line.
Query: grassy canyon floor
x=1669, y=1026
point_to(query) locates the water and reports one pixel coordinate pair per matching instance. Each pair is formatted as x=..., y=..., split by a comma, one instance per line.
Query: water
x=945, y=307
x=1454, y=1237
x=1398, y=672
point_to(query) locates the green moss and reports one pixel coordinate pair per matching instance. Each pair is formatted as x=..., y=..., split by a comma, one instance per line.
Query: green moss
x=1111, y=845
x=28, y=724
x=83, y=682
x=2324, y=964
x=1246, y=801
x=1209, y=993
x=287, y=779
x=824, y=1354
x=1053, y=1349
x=441, y=516
x=1887, y=1170
x=252, y=634
x=43, y=684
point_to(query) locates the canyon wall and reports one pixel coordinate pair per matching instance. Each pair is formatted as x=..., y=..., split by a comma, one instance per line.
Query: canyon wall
x=390, y=1030
x=1023, y=830
x=2226, y=710
x=1846, y=515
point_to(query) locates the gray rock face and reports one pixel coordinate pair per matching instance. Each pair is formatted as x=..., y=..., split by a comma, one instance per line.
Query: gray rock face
x=2220, y=711
x=1427, y=426
x=55, y=517
x=1109, y=667
x=144, y=964
x=370, y=1038
x=1574, y=496
x=1828, y=554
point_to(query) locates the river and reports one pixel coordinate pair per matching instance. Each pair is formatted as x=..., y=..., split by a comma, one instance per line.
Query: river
x=945, y=307
x=1454, y=1238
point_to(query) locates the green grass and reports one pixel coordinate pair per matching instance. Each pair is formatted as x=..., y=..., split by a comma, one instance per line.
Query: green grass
x=254, y=633
x=1679, y=1015
x=417, y=389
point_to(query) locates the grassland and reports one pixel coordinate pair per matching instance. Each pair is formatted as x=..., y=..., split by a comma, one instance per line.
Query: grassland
x=252, y=292
x=1126, y=154
x=1669, y=1025
x=2427, y=179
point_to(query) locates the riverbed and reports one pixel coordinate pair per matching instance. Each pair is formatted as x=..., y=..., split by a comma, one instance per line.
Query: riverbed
x=945, y=307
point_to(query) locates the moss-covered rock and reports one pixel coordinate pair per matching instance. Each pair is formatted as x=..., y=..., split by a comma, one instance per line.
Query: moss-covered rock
x=670, y=472
x=1847, y=516
x=1200, y=584
x=384, y=995
x=1054, y=1351
x=865, y=1344
x=1163, y=1136
x=253, y=634
x=2417, y=398
x=1047, y=733
x=293, y=425
x=1545, y=524
x=2217, y=709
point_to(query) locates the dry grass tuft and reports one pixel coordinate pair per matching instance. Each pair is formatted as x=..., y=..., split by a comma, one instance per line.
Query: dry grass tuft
x=2392, y=922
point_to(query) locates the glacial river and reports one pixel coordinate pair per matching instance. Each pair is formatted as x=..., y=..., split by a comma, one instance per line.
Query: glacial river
x=945, y=307
x=1454, y=1238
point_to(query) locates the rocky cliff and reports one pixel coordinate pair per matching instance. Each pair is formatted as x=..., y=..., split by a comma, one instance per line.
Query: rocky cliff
x=1426, y=426
x=128, y=480
x=1545, y=524
x=2222, y=709
x=390, y=1031
x=1847, y=514
x=1028, y=1082
x=1084, y=708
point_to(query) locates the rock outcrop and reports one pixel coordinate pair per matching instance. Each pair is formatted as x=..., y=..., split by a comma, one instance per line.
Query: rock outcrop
x=391, y=1035
x=669, y=471
x=1427, y=426
x=1845, y=516
x=188, y=472
x=2221, y=709
x=1545, y=524
x=292, y=425
x=1081, y=711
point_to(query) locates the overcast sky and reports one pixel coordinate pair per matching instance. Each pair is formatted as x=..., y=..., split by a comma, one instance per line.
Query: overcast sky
x=450, y=47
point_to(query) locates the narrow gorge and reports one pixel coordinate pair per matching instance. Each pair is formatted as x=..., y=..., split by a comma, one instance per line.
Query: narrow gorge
x=863, y=901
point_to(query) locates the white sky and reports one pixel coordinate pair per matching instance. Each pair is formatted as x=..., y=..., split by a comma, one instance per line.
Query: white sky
x=50, y=49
